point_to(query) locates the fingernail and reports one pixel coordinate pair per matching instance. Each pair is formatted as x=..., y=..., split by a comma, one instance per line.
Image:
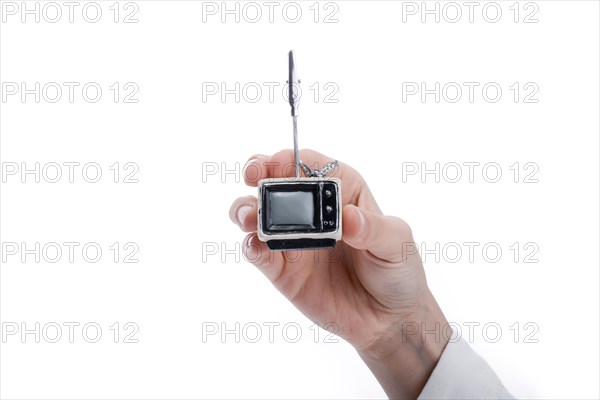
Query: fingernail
x=362, y=223
x=241, y=214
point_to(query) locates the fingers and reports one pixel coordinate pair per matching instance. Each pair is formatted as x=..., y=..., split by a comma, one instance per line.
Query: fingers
x=257, y=253
x=256, y=168
x=385, y=237
x=243, y=212
x=281, y=165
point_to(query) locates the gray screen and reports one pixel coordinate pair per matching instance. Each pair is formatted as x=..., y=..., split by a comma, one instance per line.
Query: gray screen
x=292, y=208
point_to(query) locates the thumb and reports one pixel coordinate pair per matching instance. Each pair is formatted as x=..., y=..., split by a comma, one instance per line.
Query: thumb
x=386, y=237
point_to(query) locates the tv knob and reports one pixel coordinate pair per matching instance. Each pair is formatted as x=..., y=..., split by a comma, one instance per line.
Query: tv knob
x=328, y=193
x=328, y=209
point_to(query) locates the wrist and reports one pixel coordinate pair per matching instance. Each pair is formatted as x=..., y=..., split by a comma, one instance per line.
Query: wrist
x=404, y=356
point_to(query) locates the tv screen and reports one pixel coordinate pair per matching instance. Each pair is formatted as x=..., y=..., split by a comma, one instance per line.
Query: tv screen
x=291, y=209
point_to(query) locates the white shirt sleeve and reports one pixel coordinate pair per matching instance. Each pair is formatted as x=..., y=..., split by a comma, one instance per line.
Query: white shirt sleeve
x=462, y=374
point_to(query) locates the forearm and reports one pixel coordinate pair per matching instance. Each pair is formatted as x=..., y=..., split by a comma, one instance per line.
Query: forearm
x=403, y=361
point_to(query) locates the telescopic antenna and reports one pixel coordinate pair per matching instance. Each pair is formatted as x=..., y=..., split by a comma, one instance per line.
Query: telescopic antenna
x=294, y=99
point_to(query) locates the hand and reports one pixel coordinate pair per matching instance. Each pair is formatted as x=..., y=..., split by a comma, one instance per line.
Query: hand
x=370, y=286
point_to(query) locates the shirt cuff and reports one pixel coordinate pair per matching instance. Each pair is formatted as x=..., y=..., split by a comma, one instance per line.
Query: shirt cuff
x=462, y=374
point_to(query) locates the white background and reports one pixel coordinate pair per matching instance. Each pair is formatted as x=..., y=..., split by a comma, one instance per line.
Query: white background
x=177, y=213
